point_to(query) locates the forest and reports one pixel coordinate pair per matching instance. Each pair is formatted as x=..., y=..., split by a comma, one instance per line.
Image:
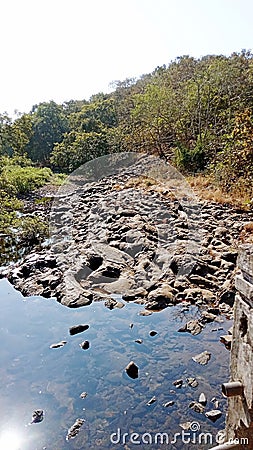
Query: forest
x=195, y=113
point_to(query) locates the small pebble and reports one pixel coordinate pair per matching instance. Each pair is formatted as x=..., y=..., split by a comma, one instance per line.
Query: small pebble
x=170, y=403
x=58, y=344
x=85, y=345
x=83, y=395
x=38, y=416
x=152, y=400
x=152, y=333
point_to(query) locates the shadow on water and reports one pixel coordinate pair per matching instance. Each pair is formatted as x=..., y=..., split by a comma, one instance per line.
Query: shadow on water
x=35, y=376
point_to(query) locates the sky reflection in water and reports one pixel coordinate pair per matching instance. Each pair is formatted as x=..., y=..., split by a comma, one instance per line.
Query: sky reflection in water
x=33, y=376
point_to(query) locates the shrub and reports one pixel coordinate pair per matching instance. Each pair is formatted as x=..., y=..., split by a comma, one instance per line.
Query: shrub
x=20, y=180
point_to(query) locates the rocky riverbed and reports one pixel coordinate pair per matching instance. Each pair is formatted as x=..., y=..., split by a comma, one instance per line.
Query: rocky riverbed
x=131, y=226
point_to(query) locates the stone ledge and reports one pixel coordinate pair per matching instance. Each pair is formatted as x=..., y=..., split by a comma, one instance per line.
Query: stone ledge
x=245, y=288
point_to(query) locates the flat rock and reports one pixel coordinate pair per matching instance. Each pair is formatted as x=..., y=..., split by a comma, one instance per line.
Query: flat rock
x=78, y=329
x=58, y=344
x=202, y=358
x=214, y=414
x=227, y=340
x=194, y=327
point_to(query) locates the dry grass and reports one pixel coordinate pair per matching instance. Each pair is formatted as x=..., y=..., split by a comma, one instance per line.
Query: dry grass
x=206, y=188
x=203, y=186
x=246, y=235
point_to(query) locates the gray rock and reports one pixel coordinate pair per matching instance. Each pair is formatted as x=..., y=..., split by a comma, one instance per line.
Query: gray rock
x=202, y=358
x=194, y=327
x=226, y=340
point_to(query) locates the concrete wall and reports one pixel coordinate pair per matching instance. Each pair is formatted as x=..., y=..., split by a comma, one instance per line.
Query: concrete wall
x=240, y=408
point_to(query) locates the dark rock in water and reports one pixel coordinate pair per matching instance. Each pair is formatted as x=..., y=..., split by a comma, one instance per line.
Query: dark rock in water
x=152, y=333
x=74, y=430
x=197, y=407
x=192, y=382
x=78, y=329
x=38, y=416
x=208, y=317
x=139, y=341
x=111, y=303
x=85, y=345
x=170, y=403
x=227, y=341
x=58, y=344
x=152, y=400
x=193, y=326
x=83, y=395
x=230, y=256
x=145, y=313
x=132, y=370
x=228, y=297
x=203, y=358
x=214, y=414
x=178, y=383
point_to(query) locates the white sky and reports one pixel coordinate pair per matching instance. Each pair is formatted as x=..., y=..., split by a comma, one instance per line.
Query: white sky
x=70, y=49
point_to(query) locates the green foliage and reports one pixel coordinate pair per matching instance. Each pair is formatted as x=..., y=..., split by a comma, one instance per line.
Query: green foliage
x=78, y=148
x=49, y=124
x=190, y=160
x=19, y=180
x=186, y=112
x=235, y=162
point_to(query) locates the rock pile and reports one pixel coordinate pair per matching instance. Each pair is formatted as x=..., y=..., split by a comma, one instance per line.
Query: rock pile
x=127, y=233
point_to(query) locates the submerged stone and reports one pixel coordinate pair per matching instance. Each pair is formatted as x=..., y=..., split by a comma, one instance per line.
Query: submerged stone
x=78, y=329
x=132, y=370
x=74, y=430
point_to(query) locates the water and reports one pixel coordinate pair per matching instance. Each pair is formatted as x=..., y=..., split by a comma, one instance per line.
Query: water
x=34, y=376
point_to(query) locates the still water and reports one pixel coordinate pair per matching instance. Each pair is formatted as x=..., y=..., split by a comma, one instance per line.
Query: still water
x=35, y=376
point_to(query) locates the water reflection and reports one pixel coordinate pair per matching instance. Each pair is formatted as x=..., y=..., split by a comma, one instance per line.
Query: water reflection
x=11, y=440
x=35, y=376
